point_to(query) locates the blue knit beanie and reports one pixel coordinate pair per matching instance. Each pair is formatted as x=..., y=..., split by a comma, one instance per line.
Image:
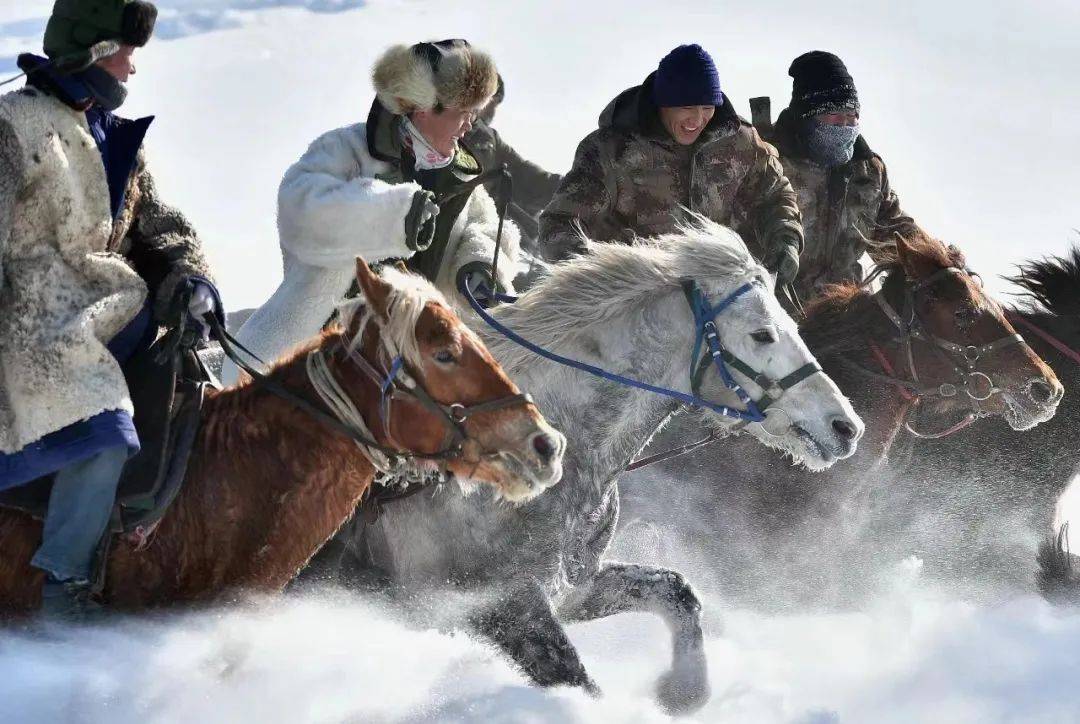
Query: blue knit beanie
x=687, y=77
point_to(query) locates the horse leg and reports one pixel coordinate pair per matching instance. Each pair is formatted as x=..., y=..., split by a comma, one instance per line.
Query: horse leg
x=523, y=625
x=624, y=587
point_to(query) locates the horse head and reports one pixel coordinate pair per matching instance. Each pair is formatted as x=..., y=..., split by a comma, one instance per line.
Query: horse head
x=954, y=337
x=805, y=414
x=451, y=399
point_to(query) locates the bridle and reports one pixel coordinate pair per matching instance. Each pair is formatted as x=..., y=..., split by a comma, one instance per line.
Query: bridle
x=708, y=336
x=341, y=414
x=964, y=359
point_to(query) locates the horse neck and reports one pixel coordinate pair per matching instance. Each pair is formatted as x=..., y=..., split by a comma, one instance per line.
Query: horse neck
x=608, y=423
x=268, y=485
x=842, y=332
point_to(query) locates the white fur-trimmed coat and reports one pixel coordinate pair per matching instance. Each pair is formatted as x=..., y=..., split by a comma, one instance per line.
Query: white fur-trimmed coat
x=68, y=284
x=333, y=208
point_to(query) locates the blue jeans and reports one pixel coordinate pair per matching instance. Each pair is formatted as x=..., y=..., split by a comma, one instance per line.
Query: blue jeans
x=80, y=506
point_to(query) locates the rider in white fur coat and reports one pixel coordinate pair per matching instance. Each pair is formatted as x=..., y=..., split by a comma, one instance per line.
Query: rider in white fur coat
x=370, y=190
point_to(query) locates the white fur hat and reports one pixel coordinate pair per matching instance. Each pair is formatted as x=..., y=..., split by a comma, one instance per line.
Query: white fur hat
x=450, y=73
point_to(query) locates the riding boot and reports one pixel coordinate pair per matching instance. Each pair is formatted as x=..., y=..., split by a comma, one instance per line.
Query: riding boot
x=67, y=601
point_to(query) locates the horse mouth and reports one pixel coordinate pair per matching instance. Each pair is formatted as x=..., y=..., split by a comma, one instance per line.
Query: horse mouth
x=1022, y=413
x=525, y=480
x=817, y=450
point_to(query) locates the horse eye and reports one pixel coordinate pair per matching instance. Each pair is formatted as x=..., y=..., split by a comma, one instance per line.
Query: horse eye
x=444, y=357
x=763, y=336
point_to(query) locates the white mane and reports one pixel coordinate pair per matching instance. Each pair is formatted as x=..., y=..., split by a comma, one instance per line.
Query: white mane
x=610, y=280
x=409, y=295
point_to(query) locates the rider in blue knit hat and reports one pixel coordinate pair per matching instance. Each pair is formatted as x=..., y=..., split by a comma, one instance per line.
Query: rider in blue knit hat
x=674, y=143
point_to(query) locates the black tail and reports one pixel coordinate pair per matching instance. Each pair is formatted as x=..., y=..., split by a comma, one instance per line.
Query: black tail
x=1058, y=577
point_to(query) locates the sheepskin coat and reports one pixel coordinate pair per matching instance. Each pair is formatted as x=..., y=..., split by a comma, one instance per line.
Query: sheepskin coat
x=347, y=197
x=72, y=273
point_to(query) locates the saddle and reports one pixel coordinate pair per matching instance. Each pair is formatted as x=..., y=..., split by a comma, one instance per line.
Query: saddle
x=167, y=382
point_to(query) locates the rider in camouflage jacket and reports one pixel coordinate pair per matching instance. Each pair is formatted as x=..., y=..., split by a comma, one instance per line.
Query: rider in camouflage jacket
x=848, y=206
x=532, y=185
x=632, y=177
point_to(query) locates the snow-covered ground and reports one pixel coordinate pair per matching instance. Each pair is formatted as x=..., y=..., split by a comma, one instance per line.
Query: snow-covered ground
x=972, y=104
x=913, y=657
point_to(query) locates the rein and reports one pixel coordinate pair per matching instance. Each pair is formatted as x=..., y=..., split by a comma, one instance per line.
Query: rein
x=706, y=336
x=1050, y=339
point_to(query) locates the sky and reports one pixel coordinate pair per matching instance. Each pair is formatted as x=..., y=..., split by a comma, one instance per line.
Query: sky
x=973, y=105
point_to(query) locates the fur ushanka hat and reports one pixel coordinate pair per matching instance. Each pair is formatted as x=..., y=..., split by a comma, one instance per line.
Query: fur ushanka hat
x=75, y=25
x=447, y=73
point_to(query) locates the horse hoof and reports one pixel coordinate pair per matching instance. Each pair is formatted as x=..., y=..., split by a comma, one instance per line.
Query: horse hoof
x=682, y=692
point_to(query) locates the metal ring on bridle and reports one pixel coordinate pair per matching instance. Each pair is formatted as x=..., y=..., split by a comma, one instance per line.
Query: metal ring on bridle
x=947, y=389
x=771, y=414
x=991, y=389
x=972, y=354
x=458, y=413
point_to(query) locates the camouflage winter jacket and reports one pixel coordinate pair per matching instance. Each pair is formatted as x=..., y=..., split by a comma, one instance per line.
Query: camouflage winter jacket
x=841, y=208
x=630, y=178
x=532, y=185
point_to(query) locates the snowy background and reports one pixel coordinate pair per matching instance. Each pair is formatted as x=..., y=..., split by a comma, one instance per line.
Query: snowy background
x=972, y=104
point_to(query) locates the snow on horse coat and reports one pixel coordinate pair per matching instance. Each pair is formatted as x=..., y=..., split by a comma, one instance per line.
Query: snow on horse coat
x=73, y=278
x=338, y=202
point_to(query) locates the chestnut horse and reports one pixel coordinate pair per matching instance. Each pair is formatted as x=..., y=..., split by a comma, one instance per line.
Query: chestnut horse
x=777, y=535
x=268, y=484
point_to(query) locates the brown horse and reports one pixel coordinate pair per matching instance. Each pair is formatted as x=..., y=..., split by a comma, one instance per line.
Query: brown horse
x=781, y=534
x=930, y=347
x=268, y=484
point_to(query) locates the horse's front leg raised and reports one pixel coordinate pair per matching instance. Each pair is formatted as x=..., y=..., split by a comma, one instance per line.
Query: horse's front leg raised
x=522, y=623
x=624, y=587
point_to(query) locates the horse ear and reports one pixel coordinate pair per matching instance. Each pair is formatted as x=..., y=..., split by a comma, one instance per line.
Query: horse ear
x=916, y=265
x=376, y=290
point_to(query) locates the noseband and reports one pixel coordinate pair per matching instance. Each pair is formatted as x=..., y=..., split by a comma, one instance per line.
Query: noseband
x=964, y=359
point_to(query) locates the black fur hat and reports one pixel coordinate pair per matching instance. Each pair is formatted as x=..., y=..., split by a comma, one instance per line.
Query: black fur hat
x=137, y=23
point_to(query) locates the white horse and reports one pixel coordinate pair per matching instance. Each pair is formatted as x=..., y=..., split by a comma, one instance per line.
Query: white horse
x=621, y=308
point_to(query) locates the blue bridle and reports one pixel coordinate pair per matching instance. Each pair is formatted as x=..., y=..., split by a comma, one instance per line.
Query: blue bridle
x=706, y=334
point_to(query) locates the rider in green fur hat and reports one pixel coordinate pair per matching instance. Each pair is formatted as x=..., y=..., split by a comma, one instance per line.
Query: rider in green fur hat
x=76, y=25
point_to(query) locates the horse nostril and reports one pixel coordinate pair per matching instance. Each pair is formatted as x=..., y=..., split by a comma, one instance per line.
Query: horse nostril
x=1043, y=392
x=544, y=446
x=844, y=429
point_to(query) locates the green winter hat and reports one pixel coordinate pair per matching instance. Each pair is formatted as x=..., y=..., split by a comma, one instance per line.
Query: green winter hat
x=75, y=25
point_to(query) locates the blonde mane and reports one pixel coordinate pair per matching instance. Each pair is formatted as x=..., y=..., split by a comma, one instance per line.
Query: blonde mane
x=409, y=295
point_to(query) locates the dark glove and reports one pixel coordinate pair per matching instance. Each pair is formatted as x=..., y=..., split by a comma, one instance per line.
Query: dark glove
x=201, y=303
x=782, y=260
x=187, y=317
x=420, y=221
x=476, y=277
